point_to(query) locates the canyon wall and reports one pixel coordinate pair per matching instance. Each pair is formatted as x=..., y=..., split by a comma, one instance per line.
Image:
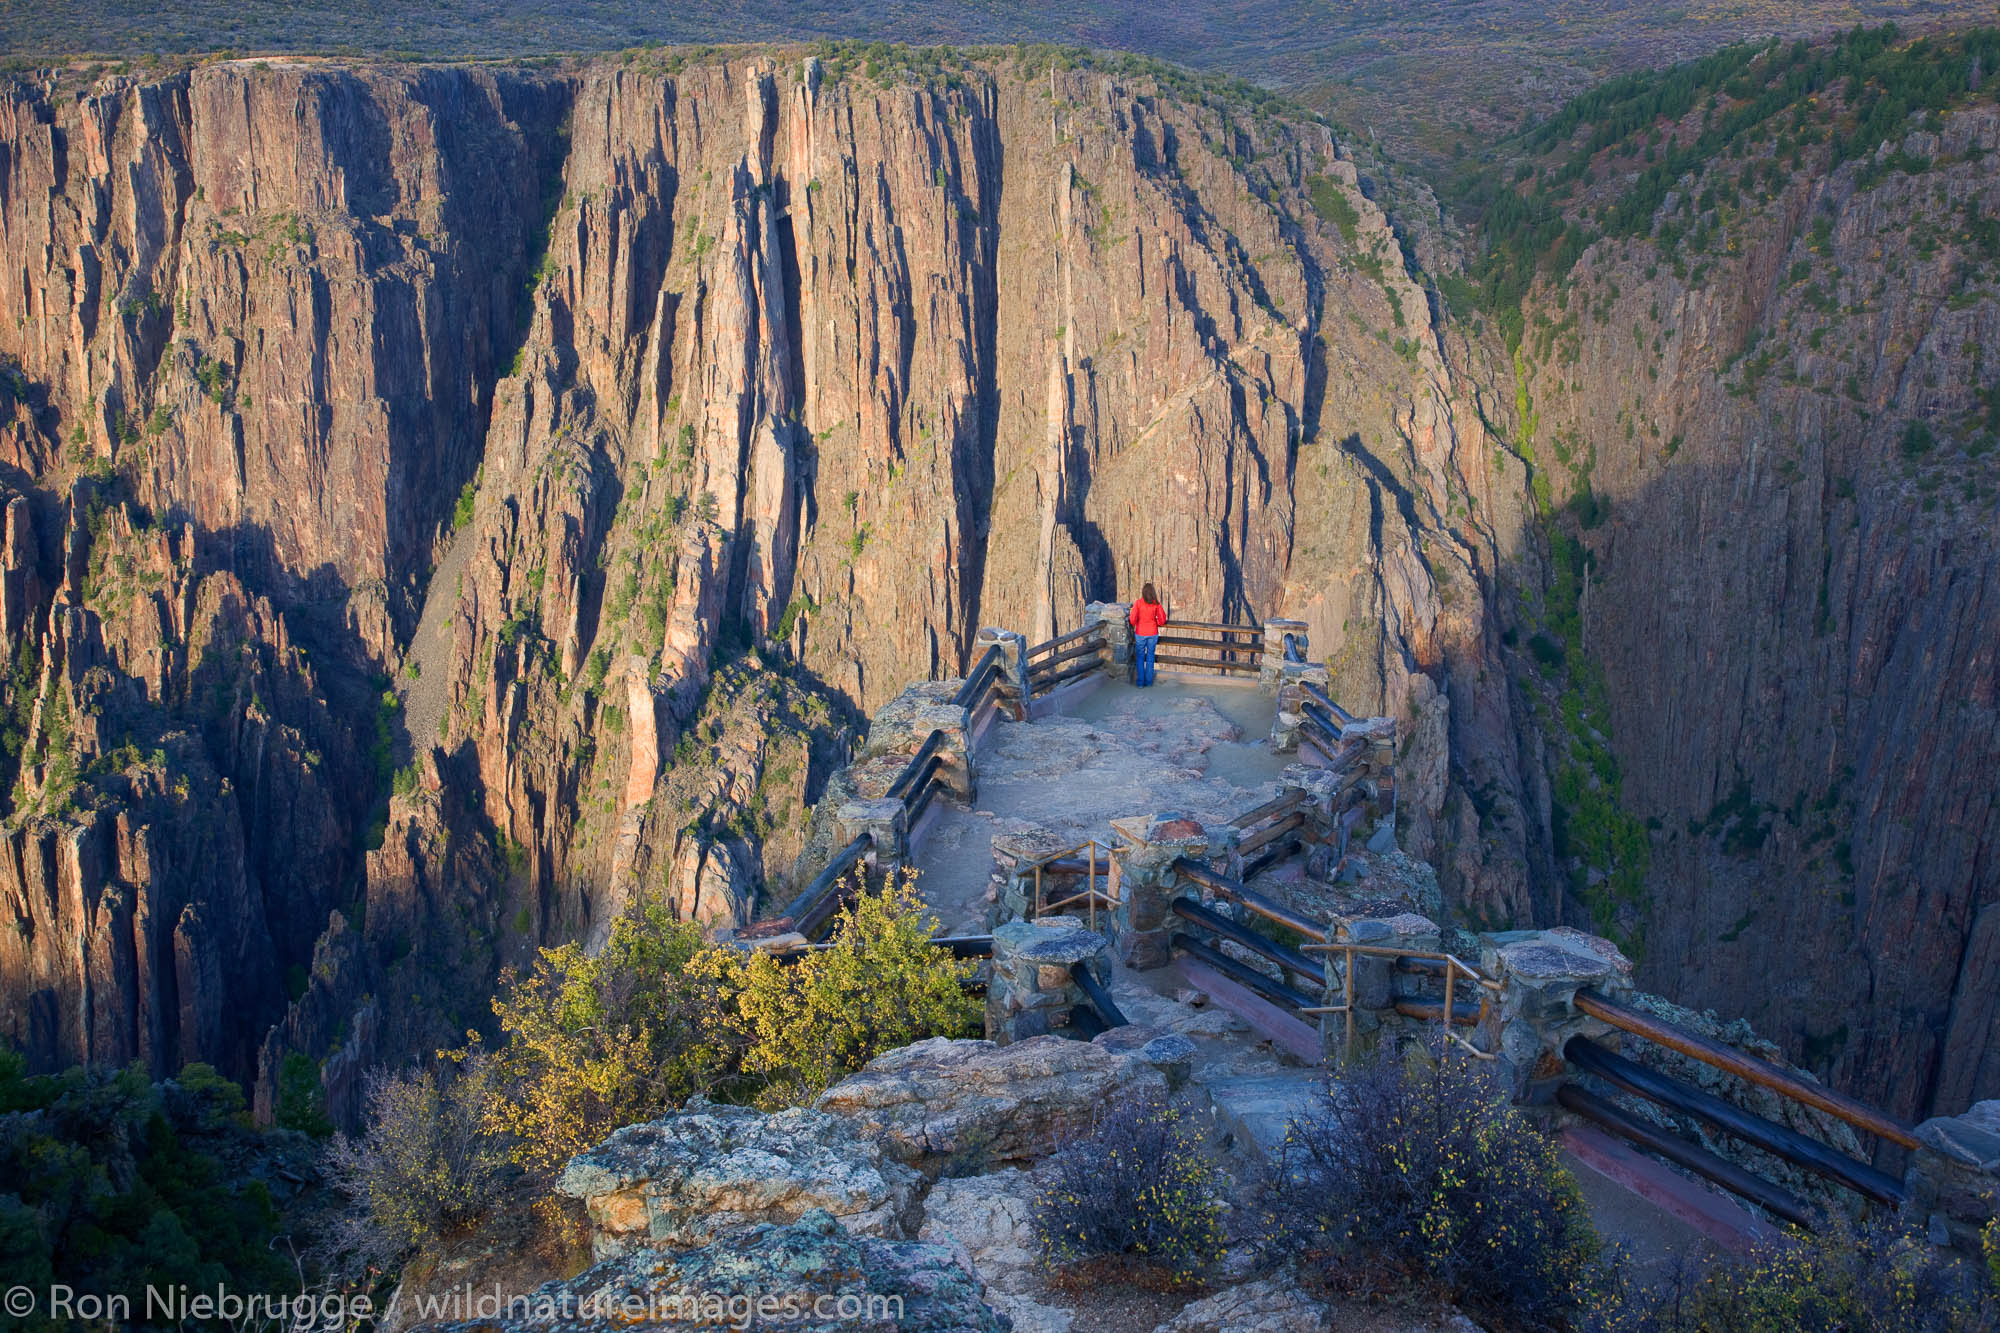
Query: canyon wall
x=640, y=425
x=444, y=505
x=1782, y=426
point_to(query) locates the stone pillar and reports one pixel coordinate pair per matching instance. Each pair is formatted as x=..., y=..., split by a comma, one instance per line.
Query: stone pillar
x=884, y=821
x=1017, y=860
x=1032, y=991
x=1540, y=972
x=1277, y=632
x=1118, y=650
x=1319, y=787
x=1953, y=1180
x=956, y=769
x=1375, y=984
x=1013, y=660
x=1288, y=679
x=1148, y=883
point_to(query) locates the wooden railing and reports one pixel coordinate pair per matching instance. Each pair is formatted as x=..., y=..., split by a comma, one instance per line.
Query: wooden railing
x=1066, y=657
x=1208, y=645
x=987, y=685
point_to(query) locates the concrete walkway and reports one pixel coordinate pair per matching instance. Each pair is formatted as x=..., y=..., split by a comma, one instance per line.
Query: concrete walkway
x=1192, y=743
x=1189, y=743
x=1200, y=745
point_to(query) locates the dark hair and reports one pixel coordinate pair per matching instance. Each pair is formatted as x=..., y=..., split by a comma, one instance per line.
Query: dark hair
x=1146, y=594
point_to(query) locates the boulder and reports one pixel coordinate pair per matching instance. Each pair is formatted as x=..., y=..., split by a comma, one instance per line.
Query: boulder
x=987, y=1222
x=946, y=1102
x=684, y=1179
x=1268, y=1305
x=811, y=1275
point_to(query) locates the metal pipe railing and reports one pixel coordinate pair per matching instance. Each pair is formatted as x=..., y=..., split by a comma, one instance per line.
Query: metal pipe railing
x=1778, y=1202
x=1242, y=936
x=1098, y=996
x=1320, y=696
x=1277, y=992
x=1778, y=1140
x=1784, y=1082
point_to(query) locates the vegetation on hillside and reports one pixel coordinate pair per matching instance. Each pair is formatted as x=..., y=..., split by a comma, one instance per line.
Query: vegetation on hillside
x=1644, y=136
x=110, y=1184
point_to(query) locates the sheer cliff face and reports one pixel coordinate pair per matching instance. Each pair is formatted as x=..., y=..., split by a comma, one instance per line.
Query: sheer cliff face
x=757, y=362
x=646, y=426
x=1795, y=600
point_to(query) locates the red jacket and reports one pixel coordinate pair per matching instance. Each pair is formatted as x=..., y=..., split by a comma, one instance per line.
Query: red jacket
x=1147, y=618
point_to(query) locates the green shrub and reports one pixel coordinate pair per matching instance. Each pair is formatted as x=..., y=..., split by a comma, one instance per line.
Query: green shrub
x=1139, y=1188
x=880, y=983
x=110, y=1183
x=599, y=1041
x=1427, y=1181
x=468, y=497
x=1881, y=1277
x=301, y=1097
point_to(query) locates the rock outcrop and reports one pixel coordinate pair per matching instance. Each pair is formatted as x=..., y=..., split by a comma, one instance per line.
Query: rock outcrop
x=641, y=423
x=812, y=1274
x=685, y=1179
x=957, y=1105
x=1791, y=576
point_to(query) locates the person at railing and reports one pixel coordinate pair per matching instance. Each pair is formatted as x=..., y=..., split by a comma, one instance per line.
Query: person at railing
x=1148, y=618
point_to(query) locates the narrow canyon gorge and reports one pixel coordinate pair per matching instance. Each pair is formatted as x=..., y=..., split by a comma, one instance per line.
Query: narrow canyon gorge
x=445, y=504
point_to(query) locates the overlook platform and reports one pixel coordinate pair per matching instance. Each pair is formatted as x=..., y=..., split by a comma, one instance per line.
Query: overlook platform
x=1188, y=742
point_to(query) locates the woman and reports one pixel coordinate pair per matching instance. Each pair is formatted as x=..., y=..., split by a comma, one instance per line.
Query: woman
x=1148, y=618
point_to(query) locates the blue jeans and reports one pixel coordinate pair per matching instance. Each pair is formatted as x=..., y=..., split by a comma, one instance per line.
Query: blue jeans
x=1148, y=644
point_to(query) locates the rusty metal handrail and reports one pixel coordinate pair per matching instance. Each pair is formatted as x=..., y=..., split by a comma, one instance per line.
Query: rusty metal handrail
x=1090, y=896
x=1454, y=968
x=1783, y=1082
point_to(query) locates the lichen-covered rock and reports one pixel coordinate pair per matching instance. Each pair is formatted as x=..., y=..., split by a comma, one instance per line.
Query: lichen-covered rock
x=1268, y=1305
x=951, y=1102
x=688, y=1177
x=812, y=1275
x=987, y=1222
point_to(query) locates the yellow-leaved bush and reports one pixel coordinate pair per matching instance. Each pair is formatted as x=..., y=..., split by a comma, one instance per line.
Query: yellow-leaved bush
x=880, y=983
x=594, y=1042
